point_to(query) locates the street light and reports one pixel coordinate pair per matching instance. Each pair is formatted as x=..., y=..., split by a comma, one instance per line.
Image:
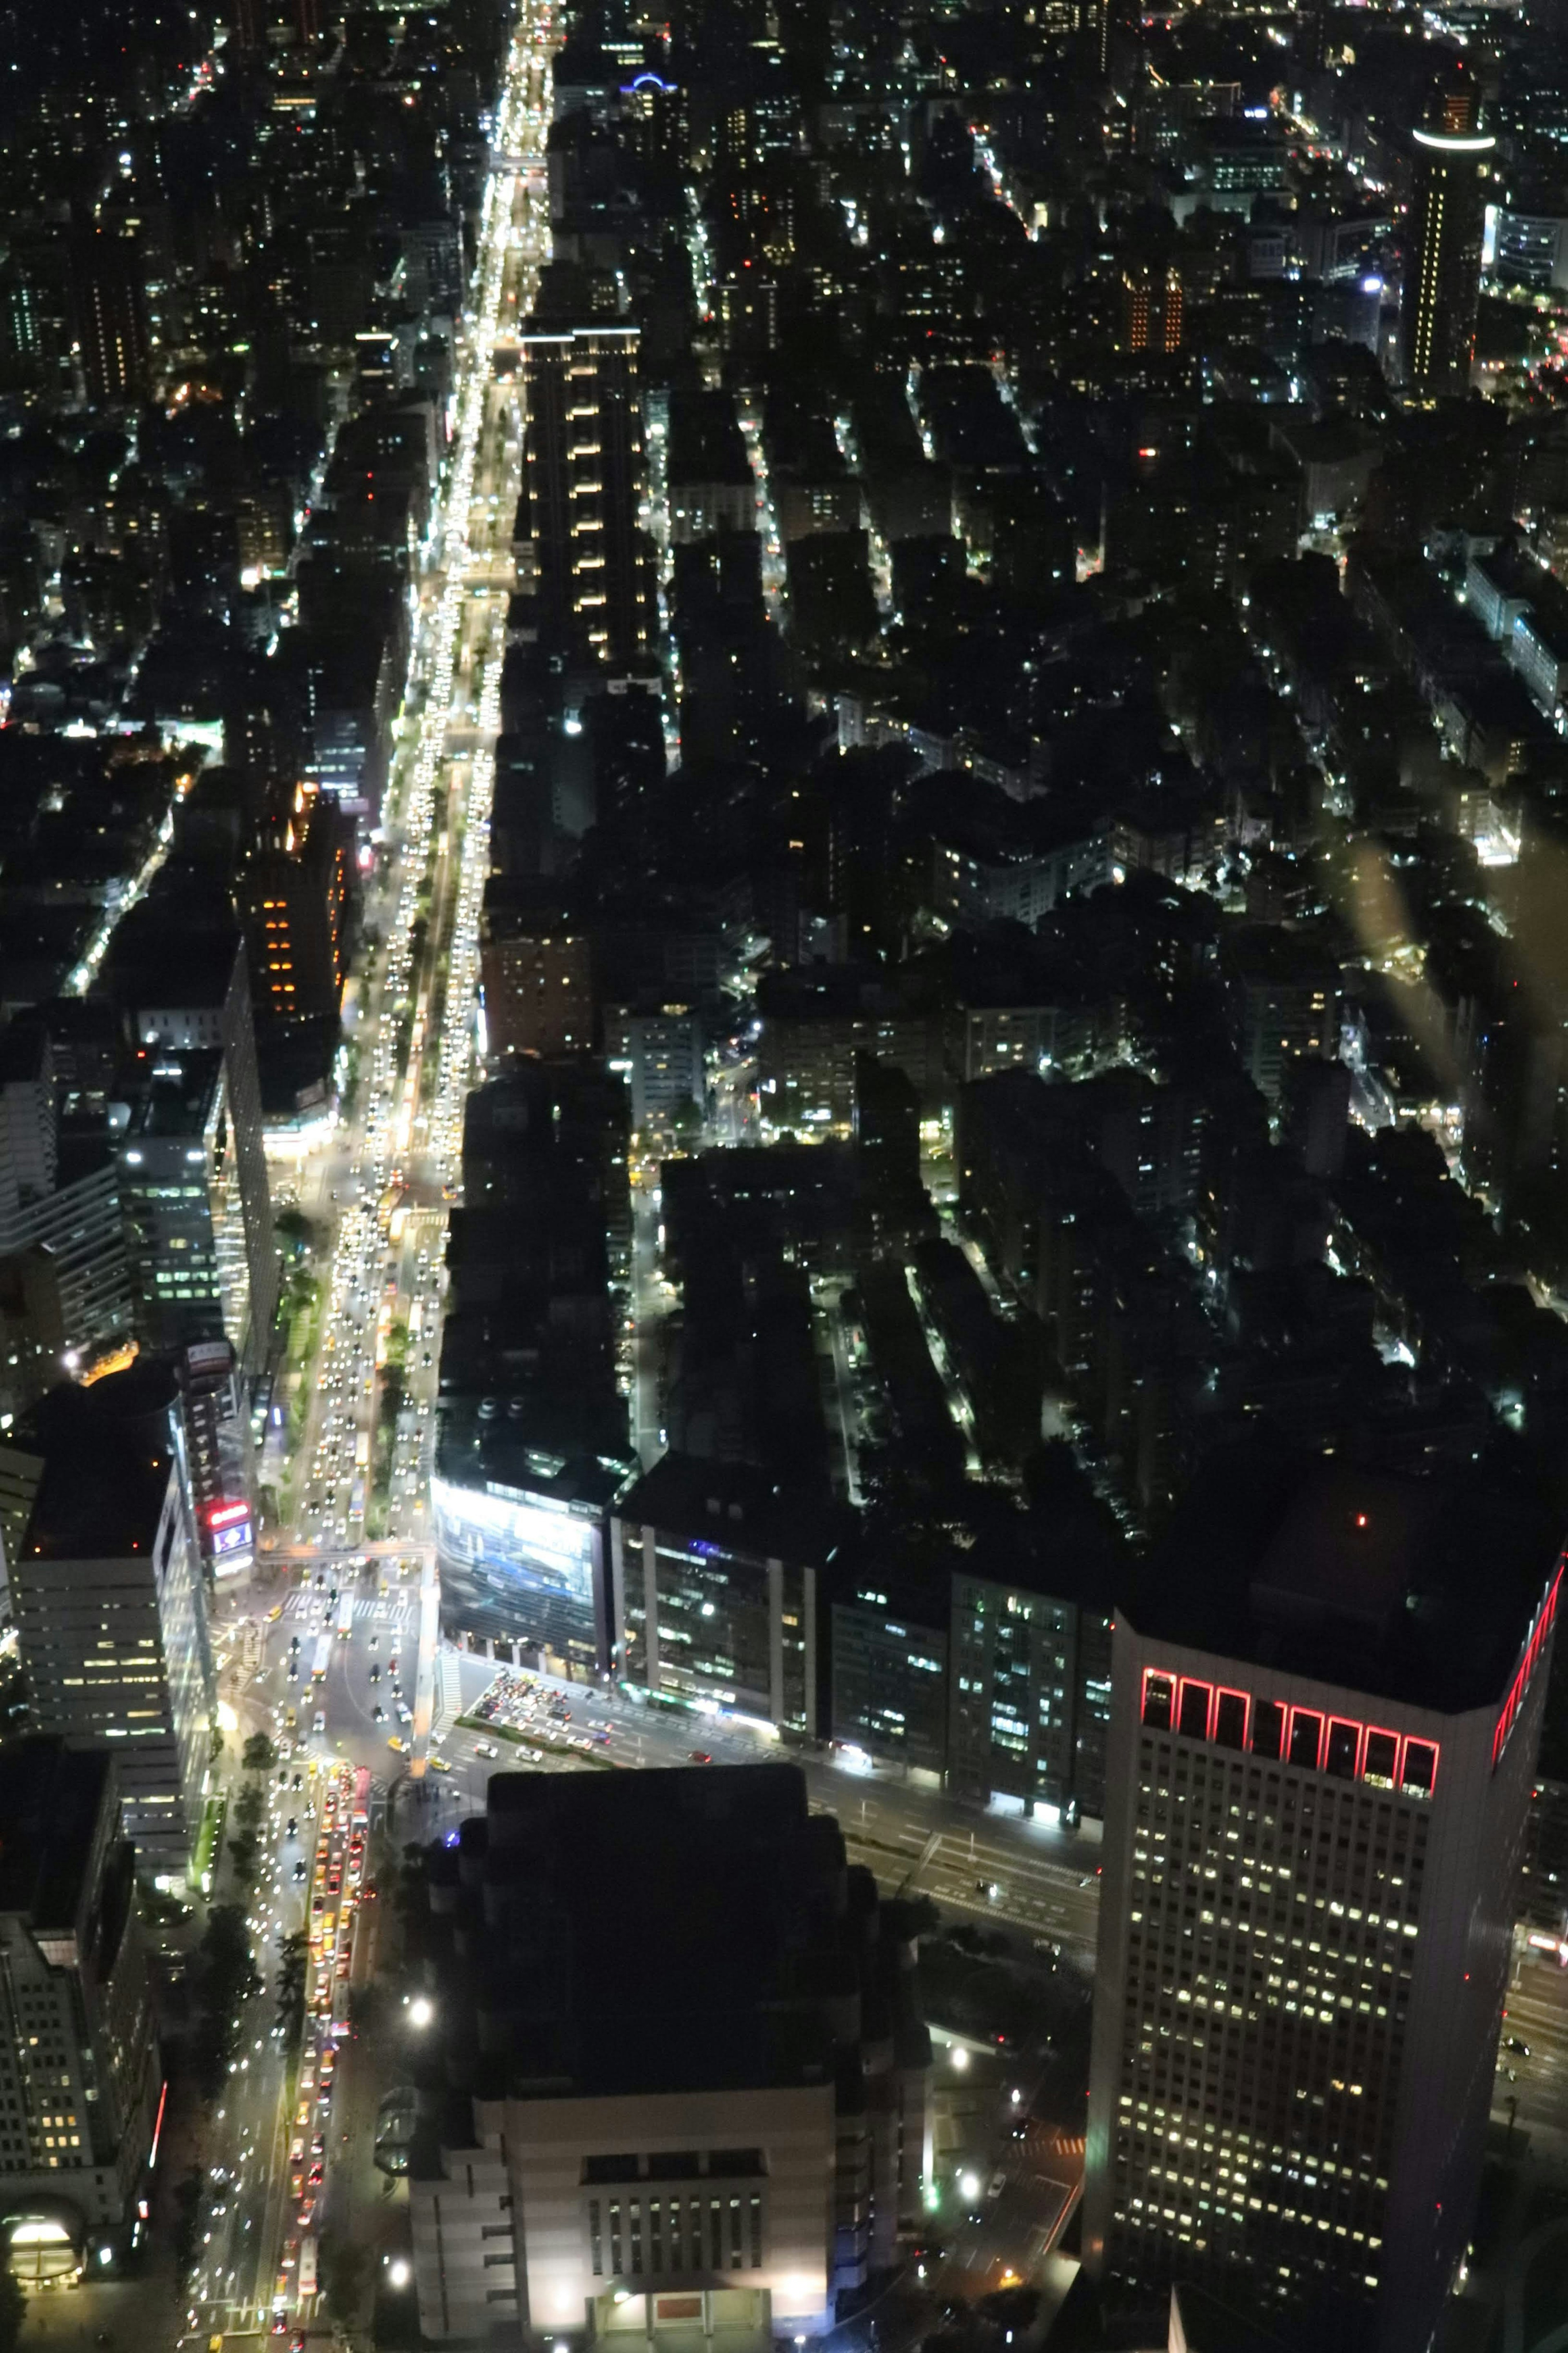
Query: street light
x=421, y=2010
x=398, y=2274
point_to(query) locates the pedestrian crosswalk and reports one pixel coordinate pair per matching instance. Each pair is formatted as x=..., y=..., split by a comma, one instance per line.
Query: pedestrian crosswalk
x=370, y=1609
x=447, y=1703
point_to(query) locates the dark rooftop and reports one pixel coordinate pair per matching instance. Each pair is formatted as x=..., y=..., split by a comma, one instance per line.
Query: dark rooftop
x=1413, y=1589
x=50, y=1800
x=739, y=1507
x=106, y=1467
x=745, y=1920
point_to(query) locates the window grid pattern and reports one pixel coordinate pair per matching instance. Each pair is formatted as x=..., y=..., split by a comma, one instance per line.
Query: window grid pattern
x=1273, y=1919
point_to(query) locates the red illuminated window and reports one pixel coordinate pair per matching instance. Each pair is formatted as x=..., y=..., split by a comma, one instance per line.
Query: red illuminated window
x=1267, y=1728
x=1193, y=1715
x=1306, y=1737
x=1230, y=1719
x=1159, y=1698
x=1341, y=1746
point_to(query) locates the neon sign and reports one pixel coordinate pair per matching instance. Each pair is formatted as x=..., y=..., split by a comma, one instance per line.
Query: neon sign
x=1524, y=1674
x=1342, y=1746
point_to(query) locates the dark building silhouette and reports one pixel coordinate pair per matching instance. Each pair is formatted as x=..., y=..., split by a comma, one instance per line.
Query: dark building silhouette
x=110, y=319
x=1443, y=257
x=584, y=481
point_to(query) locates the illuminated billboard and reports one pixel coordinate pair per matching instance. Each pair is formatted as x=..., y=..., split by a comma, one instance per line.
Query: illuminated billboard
x=527, y=1568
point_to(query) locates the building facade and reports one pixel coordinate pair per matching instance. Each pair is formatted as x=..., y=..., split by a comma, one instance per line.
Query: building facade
x=79, y=2075
x=713, y=1600
x=1312, y=1857
x=889, y=1682
x=703, y=2146
x=105, y=1591
x=583, y=480
x=1030, y=1706
x=1443, y=246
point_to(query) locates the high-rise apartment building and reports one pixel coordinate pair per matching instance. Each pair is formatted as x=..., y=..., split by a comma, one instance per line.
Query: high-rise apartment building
x=79, y=2076
x=299, y=900
x=202, y=1001
x=105, y=1590
x=584, y=481
x=66, y=1290
x=184, y=1208
x=1151, y=308
x=1326, y=1701
x=1444, y=229
x=115, y=347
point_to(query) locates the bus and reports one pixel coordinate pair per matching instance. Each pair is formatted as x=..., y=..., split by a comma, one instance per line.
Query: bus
x=322, y=1660
x=306, y=2268
x=360, y=1816
x=345, y=1613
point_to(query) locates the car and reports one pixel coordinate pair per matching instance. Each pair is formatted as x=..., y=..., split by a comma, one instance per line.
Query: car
x=314, y=2175
x=292, y=1827
x=378, y=1713
x=699, y=1756
x=1513, y=2044
x=319, y=1723
x=486, y=1748
x=401, y=1746
x=301, y=1870
x=376, y=1674
x=440, y=1765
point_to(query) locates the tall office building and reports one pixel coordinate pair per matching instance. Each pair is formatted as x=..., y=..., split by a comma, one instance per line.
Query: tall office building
x=111, y=317
x=1151, y=308
x=1443, y=232
x=584, y=481
x=183, y=1209
x=66, y=1290
x=1325, y=1710
x=79, y=2076
x=202, y=1001
x=248, y=25
x=105, y=1591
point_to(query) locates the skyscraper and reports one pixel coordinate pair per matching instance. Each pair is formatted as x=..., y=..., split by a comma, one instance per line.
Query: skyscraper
x=105, y=1592
x=78, y=2057
x=1323, y=1725
x=1151, y=308
x=1443, y=247
x=204, y=1002
x=582, y=484
x=111, y=319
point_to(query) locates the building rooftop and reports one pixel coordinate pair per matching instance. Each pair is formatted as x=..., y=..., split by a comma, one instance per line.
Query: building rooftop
x=51, y=1800
x=1418, y=1590
x=176, y=1096
x=746, y=1919
x=737, y=1506
x=106, y=1467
